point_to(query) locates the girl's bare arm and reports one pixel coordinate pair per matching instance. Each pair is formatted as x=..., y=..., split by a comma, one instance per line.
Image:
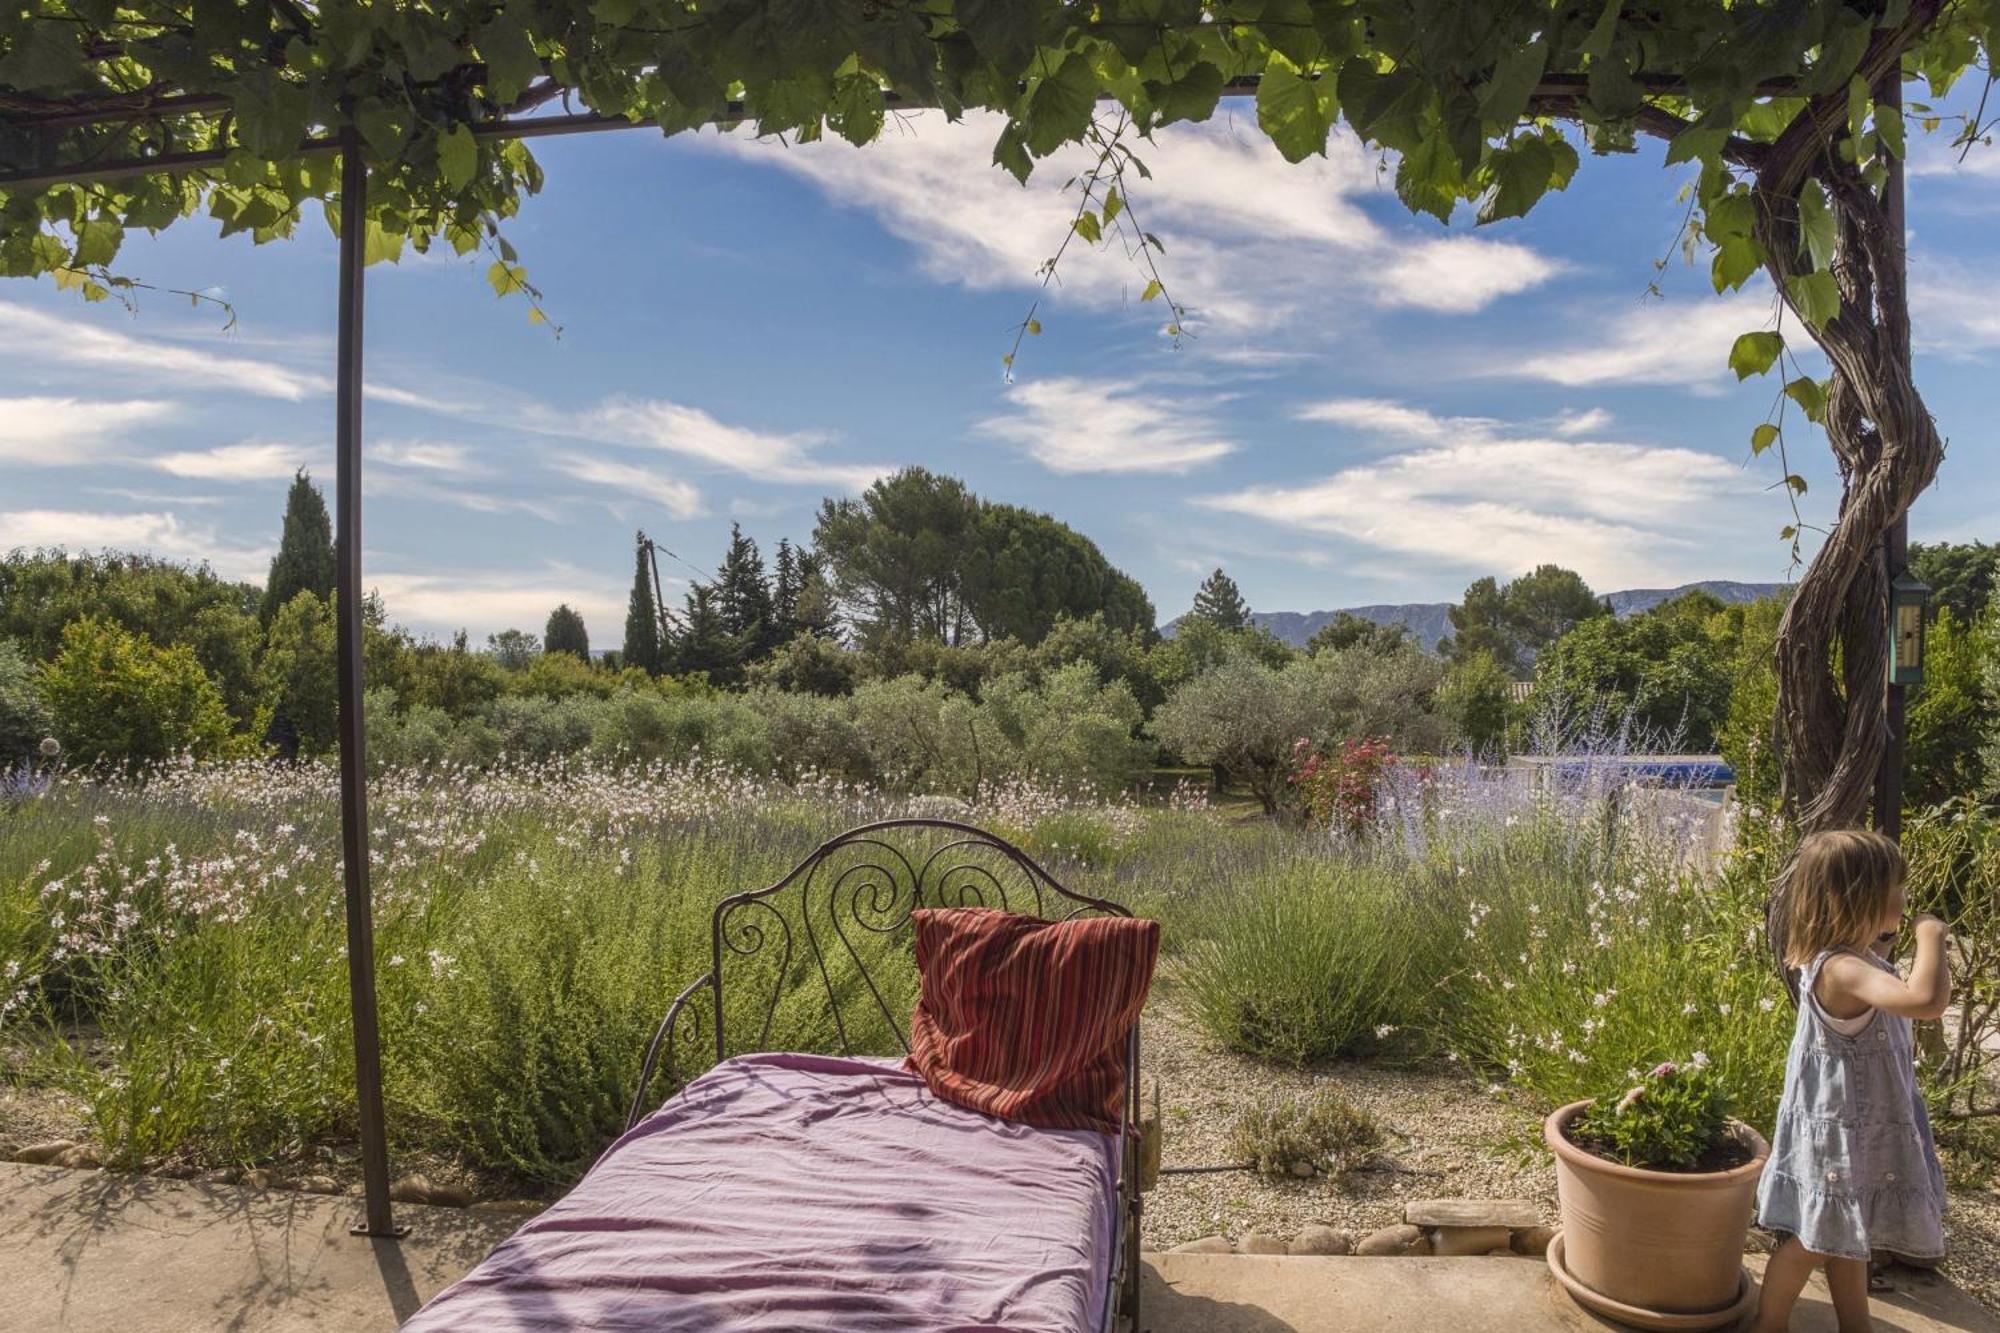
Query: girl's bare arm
x=1850, y=983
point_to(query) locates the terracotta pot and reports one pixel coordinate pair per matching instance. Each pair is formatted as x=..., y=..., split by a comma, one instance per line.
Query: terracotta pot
x=1665, y=1242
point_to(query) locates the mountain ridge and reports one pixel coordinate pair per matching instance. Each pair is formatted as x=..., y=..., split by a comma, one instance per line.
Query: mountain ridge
x=1430, y=621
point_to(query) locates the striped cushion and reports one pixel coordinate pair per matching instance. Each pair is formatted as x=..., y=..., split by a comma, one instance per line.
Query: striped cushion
x=1027, y=1019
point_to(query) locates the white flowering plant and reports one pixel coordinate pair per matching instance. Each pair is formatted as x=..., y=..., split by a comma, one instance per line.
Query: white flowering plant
x=1674, y=1118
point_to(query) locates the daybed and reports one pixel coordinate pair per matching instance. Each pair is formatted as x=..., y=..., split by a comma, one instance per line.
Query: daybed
x=831, y=1192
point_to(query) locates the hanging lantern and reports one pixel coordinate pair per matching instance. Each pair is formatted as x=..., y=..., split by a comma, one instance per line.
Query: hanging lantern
x=1909, y=599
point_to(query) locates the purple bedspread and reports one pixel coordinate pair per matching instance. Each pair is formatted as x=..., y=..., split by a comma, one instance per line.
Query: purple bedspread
x=811, y=1192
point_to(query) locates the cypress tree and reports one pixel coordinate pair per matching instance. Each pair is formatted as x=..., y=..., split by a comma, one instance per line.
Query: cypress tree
x=304, y=562
x=565, y=633
x=1221, y=603
x=742, y=597
x=642, y=622
x=785, y=594
x=707, y=644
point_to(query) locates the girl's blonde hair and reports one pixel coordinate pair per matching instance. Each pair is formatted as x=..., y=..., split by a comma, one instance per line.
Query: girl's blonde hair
x=1841, y=885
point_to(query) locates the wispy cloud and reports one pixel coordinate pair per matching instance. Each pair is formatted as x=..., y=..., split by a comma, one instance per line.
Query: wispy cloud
x=426, y=456
x=657, y=423
x=1498, y=499
x=1252, y=243
x=249, y=461
x=160, y=533
x=1682, y=342
x=1392, y=418
x=1954, y=308
x=1079, y=425
x=62, y=432
x=31, y=334
x=679, y=498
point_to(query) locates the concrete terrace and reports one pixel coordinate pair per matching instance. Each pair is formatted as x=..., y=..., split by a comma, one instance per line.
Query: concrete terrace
x=98, y=1252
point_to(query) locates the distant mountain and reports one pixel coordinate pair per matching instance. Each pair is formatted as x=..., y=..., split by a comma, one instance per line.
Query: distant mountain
x=1430, y=621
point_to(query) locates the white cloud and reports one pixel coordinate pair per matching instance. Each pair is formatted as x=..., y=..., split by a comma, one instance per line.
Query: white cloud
x=656, y=423
x=159, y=533
x=1570, y=422
x=1954, y=309
x=486, y=601
x=62, y=432
x=1252, y=243
x=679, y=498
x=1654, y=342
x=27, y=333
x=425, y=455
x=1492, y=500
x=1078, y=425
x=1392, y=418
x=249, y=461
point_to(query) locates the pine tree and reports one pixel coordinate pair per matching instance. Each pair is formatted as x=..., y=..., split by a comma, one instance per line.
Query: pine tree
x=816, y=609
x=743, y=598
x=304, y=562
x=706, y=643
x=642, y=623
x=565, y=633
x=785, y=594
x=1221, y=603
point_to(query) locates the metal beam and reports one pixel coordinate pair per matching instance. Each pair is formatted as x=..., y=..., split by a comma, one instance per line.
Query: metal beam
x=353, y=766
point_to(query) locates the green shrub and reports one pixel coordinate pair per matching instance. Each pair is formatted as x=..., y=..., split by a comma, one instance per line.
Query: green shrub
x=1301, y=961
x=1323, y=1131
x=1674, y=1118
x=24, y=717
x=119, y=699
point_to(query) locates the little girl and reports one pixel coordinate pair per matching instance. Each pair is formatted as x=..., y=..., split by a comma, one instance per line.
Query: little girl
x=1852, y=1167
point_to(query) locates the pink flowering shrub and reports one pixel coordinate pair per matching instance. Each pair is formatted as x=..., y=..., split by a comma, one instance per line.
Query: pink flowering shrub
x=1342, y=789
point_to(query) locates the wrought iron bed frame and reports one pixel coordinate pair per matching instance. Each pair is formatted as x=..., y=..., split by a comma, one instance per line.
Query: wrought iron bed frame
x=873, y=886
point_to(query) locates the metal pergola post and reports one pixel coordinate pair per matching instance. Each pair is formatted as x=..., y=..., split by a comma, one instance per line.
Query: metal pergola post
x=1896, y=541
x=353, y=768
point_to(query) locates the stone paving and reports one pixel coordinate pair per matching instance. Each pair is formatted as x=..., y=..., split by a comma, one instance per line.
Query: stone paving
x=97, y=1252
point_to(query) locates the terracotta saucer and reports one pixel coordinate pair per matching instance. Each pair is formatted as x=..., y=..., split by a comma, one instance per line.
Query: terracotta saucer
x=1745, y=1302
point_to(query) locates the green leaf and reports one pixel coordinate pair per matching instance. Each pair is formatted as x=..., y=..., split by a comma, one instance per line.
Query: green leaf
x=1427, y=179
x=458, y=156
x=1763, y=438
x=616, y=13
x=1515, y=76
x=1011, y=152
x=1889, y=127
x=1755, y=353
x=1114, y=204
x=1810, y=395
x=1520, y=175
x=1006, y=32
x=97, y=242
x=857, y=111
x=1034, y=326
x=1736, y=258
x=1153, y=289
x=1731, y=214
x=1192, y=94
x=1598, y=45
x=1086, y=227
x=381, y=244
x=1385, y=108
x=1797, y=483
x=1296, y=111
x=45, y=54
x=504, y=277
x=1816, y=296
x=1060, y=108
x=511, y=62
x=1816, y=230
x=1613, y=91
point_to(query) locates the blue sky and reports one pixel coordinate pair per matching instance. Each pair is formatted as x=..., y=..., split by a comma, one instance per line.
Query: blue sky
x=1375, y=408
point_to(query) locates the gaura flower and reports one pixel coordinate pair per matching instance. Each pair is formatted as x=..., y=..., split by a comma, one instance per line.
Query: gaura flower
x=1632, y=1095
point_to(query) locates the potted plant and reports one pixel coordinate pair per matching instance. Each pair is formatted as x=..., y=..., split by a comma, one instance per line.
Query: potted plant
x=1656, y=1187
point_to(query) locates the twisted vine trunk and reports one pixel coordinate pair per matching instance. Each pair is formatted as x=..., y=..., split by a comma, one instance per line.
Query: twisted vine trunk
x=1832, y=725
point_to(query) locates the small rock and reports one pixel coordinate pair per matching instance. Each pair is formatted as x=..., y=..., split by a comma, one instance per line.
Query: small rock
x=522, y=1207
x=1262, y=1242
x=1399, y=1239
x=1508, y=1213
x=317, y=1184
x=36, y=1154
x=1303, y=1170
x=8, y=1147
x=1454, y=1241
x=80, y=1157
x=1206, y=1245
x=1322, y=1240
x=227, y=1175
x=1502, y=1253
x=259, y=1178
x=413, y=1188
x=1533, y=1241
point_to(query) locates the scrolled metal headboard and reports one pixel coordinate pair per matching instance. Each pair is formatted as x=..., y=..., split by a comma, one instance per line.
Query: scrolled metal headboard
x=832, y=923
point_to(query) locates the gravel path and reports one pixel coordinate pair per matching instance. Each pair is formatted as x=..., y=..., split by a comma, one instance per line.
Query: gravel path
x=1449, y=1136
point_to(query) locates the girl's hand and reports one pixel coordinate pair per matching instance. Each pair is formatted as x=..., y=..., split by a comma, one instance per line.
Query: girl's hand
x=1933, y=924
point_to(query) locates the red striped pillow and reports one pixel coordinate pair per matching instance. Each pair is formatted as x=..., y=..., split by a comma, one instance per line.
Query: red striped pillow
x=1027, y=1019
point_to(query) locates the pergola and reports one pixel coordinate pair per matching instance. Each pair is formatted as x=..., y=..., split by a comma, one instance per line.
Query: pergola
x=1552, y=93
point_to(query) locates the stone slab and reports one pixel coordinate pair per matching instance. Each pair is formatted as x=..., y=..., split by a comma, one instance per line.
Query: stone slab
x=1471, y=1213
x=98, y=1252
x=1216, y=1293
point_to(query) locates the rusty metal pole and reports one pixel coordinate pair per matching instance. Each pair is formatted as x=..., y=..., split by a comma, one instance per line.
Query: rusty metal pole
x=1896, y=541
x=353, y=769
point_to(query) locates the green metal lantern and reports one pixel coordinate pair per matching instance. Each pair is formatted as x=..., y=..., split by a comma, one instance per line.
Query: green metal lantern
x=1909, y=599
